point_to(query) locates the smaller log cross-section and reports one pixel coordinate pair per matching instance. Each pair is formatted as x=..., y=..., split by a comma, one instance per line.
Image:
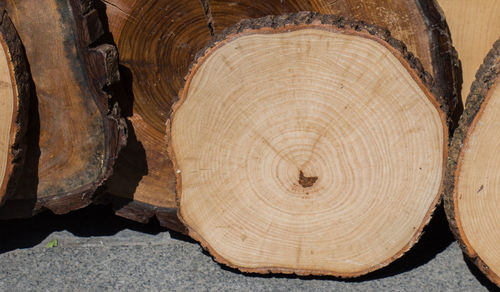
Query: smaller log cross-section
x=473, y=176
x=15, y=91
x=307, y=144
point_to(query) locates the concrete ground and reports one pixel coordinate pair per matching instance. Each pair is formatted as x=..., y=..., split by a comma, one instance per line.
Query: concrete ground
x=98, y=251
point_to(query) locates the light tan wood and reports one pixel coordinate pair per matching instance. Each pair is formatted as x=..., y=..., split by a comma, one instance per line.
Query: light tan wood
x=8, y=101
x=474, y=26
x=308, y=152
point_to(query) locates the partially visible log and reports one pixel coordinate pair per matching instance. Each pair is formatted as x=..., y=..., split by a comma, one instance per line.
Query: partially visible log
x=473, y=178
x=75, y=132
x=15, y=92
x=307, y=144
x=156, y=40
x=474, y=26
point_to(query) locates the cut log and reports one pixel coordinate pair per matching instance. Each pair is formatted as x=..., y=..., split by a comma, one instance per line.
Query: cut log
x=473, y=179
x=75, y=133
x=162, y=37
x=156, y=40
x=307, y=144
x=474, y=26
x=15, y=92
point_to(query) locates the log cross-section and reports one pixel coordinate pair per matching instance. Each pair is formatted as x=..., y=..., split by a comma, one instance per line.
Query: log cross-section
x=307, y=144
x=15, y=93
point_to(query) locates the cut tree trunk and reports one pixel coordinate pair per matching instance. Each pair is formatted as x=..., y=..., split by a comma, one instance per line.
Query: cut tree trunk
x=15, y=94
x=473, y=179
x=74, y=133
x=474, y=26
x=307, y=144
x=158, y=39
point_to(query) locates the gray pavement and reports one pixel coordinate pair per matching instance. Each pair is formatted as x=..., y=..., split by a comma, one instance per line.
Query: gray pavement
x=98, y=251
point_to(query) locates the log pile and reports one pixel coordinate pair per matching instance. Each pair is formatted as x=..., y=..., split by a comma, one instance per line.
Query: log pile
x=300, y=136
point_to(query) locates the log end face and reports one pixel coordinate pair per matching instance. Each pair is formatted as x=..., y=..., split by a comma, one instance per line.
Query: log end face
x=275, y=173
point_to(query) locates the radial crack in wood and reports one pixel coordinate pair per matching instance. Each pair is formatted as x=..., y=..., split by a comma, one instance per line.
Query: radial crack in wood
x=15, y=92
x=307, y=144
x=75, y=132
x=473, y=180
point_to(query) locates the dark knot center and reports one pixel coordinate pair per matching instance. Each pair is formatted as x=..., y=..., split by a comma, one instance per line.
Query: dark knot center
x=307, y=181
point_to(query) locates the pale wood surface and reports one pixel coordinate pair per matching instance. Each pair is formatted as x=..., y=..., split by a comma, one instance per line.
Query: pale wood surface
x=327, y=159
x=474, y=26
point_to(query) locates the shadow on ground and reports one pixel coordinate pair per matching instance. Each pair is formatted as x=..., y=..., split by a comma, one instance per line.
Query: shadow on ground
x=100, y=221
x=92, y=221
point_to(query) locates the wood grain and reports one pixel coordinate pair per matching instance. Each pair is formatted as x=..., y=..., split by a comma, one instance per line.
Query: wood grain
x=76, y=134
x=328, y=159
x=16, y=88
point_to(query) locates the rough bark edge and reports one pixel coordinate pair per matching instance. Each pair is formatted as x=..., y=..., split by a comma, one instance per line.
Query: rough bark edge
x=23, y=89
x=447, y=68
x=297, y=21
x=487, y=78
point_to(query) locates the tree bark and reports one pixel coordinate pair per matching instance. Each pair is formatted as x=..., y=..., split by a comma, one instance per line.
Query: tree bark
x=471, y=186
x=15, y=94
x=75, y=132
x=278, y=142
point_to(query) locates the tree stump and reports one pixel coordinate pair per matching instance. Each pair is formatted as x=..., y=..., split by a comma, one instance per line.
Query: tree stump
x=75, y=134
x=474, y=26
x=307, y=144
x=472, y=182
x=163, y=37
x=15, y=92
